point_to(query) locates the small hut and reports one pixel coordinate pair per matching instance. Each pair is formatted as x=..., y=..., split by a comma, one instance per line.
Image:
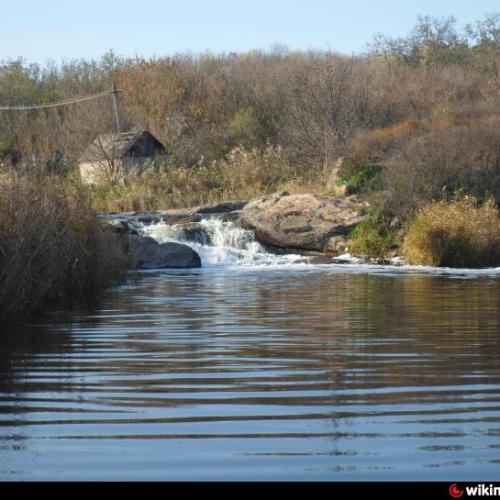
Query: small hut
x=113, y=156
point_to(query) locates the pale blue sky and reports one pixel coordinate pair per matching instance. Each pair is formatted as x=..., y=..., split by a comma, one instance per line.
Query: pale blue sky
x=63, y=29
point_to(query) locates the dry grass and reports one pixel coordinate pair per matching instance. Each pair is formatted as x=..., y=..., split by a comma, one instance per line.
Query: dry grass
x=243, y=175
x=51, y=245
x=455, y=234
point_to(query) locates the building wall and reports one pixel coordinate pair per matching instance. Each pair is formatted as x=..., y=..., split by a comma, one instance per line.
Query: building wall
x=97, y=172
x=142, y=152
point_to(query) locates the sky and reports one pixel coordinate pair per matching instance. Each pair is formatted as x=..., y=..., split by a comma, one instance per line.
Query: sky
x=55, y=30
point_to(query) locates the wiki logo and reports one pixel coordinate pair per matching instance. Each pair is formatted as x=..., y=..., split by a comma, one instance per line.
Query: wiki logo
x=480, y=490
x=455, y=491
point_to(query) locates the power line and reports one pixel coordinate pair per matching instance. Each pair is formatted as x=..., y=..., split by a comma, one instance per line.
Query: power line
x=55, y=104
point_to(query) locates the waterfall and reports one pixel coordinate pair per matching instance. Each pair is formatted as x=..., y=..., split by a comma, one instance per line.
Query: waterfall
x=220, y=242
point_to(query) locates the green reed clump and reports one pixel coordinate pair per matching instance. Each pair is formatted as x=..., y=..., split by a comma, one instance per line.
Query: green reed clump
x=372, y=238
x=460, y=233
x=51, y=244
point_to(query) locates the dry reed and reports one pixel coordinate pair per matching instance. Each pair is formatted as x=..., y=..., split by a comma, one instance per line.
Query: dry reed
x=455, y=234
x=51, y=245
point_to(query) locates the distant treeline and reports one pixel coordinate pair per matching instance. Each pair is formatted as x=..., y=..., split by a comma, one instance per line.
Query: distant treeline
x=426, y=107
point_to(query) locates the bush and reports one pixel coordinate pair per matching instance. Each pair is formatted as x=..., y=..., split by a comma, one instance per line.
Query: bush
x=373, y=145
x=361, y=178
x=455, y=234
x=51, y=244
x=372, y=239
x=456, y=153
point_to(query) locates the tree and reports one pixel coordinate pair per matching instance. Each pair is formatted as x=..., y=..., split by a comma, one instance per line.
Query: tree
x=431, y=42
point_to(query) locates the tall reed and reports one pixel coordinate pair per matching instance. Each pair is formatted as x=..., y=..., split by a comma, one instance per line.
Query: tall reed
x=51, y=244
x=455, y=234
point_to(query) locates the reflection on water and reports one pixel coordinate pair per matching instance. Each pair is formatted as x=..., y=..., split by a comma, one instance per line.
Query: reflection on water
x=252, y=374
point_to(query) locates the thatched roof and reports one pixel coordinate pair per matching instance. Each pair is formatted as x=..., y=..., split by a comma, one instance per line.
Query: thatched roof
x=116, y=146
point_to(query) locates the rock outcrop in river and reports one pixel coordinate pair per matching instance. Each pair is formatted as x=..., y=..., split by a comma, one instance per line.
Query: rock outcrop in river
x=306, y=222
x=302, y=221
x=146, y=253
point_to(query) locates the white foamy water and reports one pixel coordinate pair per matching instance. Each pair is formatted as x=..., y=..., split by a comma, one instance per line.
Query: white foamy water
x=221, y=243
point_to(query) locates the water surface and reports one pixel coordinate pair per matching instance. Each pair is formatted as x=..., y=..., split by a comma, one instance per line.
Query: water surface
x=277, y=372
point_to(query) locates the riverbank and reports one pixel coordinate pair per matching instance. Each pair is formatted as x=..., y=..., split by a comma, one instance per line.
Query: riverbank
x=51, y=245
x=54, y=246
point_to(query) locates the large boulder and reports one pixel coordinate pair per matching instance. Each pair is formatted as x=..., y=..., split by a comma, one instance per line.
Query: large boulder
x=301, y=221
x=147, y=253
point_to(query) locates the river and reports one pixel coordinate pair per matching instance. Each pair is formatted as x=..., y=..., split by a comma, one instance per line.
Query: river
x=259, y=367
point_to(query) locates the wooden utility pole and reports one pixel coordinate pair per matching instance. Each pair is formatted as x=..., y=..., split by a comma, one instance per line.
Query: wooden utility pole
x=114, y=93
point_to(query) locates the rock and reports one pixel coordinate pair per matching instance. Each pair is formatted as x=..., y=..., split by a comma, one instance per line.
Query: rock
x=223, y=216
x=336, y=245
x=222, y=208
x=301, y=221
x=147, y=253
x=332, y=182
x=334, y=186
x=119, y=226
x=178, y=216
x=344, y=190
x=227, y=211
x=194, y=232
x=148, y=218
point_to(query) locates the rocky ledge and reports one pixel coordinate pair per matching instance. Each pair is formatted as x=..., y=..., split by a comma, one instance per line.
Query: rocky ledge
x=299, y=222
x=228, y=211
x=302, y=221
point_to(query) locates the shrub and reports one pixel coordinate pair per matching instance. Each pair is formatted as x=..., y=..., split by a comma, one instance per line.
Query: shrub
x=51, y=244
x=245, y=128
x=360, y=178
x=371, y=238
x=373, y=145
x=454, y=154
x=455, y=234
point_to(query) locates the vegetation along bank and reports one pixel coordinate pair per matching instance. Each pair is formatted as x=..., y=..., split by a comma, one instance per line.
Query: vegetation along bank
x=408, y=130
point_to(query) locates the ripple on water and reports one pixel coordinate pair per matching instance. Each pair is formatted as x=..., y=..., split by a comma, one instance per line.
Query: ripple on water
x=243, y=374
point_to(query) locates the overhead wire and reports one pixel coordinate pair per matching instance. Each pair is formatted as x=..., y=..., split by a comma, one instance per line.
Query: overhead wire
x=66, y=102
